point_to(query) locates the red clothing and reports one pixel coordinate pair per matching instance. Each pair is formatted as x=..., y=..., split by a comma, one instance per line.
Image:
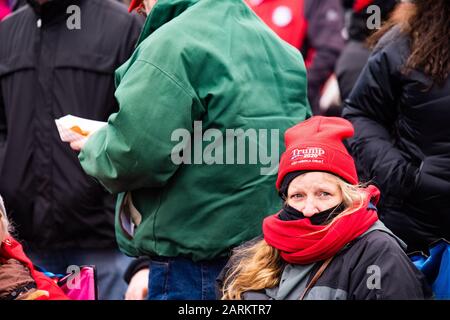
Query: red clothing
x=317, y=145
x=11, y=249
x=4, y=9
x=359, y=5
x=285, y=17
x=315, y=28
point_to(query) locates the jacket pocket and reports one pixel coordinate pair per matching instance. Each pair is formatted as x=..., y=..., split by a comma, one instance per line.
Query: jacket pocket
x=432, y=181
x=86, y=61
x=129, y=216
x=83, y=84
x=15, y=64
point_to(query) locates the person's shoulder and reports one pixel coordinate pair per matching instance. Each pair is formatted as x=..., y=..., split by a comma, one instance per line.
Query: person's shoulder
x=112, y=17
x=394, y=39
x=379, y=241
x=16, y=16
x=113, y=8
x=392, y=50
x=371, y=247
x=250, y=243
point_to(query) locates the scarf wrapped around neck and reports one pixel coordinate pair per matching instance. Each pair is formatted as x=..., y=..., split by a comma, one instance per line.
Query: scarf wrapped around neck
x=301, y=242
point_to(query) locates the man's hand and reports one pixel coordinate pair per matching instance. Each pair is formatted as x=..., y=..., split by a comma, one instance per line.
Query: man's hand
x=78, y=145
x=138, y=287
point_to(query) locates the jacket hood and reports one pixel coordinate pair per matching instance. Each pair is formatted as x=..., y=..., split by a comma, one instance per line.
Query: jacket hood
x=163, y=12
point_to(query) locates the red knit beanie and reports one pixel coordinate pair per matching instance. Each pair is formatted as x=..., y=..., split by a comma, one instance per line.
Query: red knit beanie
x=316, y=145
x=359, y=5
x=134, y=4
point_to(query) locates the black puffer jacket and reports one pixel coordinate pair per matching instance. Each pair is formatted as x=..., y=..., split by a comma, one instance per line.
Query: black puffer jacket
x=355, y=53
x=402, y=142
x=48, y=70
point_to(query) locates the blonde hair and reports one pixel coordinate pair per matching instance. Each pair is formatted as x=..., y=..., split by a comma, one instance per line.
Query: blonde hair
x=257, y=267
x=260, y=266
x=5, y=226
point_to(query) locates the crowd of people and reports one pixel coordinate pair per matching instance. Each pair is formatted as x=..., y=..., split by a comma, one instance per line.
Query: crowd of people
x=355, y=114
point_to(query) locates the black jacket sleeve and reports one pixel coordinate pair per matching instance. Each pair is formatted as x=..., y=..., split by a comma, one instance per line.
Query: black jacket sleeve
x=373, y=109
x=135, y=266
x=130, y=38
x=325, y=25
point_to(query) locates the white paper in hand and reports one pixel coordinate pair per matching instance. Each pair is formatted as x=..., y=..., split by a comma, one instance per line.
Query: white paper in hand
x=73, y=128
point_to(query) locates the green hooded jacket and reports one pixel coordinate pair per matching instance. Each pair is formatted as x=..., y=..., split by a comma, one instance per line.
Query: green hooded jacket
x=193, y=151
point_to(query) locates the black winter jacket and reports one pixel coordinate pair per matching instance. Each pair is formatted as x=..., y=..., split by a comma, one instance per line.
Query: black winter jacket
x=372, y=267
x=323, y=44
x=402, y=142
x=48, y=70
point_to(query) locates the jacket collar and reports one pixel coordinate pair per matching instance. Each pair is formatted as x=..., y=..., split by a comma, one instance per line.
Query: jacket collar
x=163, y=12
x=378, y=225
x=51, y=10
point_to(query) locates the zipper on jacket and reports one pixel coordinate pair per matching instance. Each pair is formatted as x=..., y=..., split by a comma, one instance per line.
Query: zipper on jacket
x=37, y=128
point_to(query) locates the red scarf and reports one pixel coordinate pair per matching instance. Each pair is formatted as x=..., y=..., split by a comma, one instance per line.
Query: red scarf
x=301, y=242
x=11, y=249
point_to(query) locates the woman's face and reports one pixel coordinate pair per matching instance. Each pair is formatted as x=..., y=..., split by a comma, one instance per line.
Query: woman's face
x=314, y=192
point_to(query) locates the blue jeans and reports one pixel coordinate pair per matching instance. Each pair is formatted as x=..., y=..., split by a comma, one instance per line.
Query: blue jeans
x=182, y=279
x=110, y=266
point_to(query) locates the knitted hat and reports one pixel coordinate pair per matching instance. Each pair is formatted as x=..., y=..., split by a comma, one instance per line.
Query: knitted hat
x=359, y=5
x=134, y=5
x=386, y=6
x=316, y=145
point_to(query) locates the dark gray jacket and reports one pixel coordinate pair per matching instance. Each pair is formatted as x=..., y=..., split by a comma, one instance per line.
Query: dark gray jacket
x=402, y=142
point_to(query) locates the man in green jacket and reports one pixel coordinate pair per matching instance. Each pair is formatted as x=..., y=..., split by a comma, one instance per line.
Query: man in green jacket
x=193, y=151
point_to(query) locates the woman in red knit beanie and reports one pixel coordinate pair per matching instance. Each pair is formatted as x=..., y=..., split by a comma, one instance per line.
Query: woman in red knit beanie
x=326, y=242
